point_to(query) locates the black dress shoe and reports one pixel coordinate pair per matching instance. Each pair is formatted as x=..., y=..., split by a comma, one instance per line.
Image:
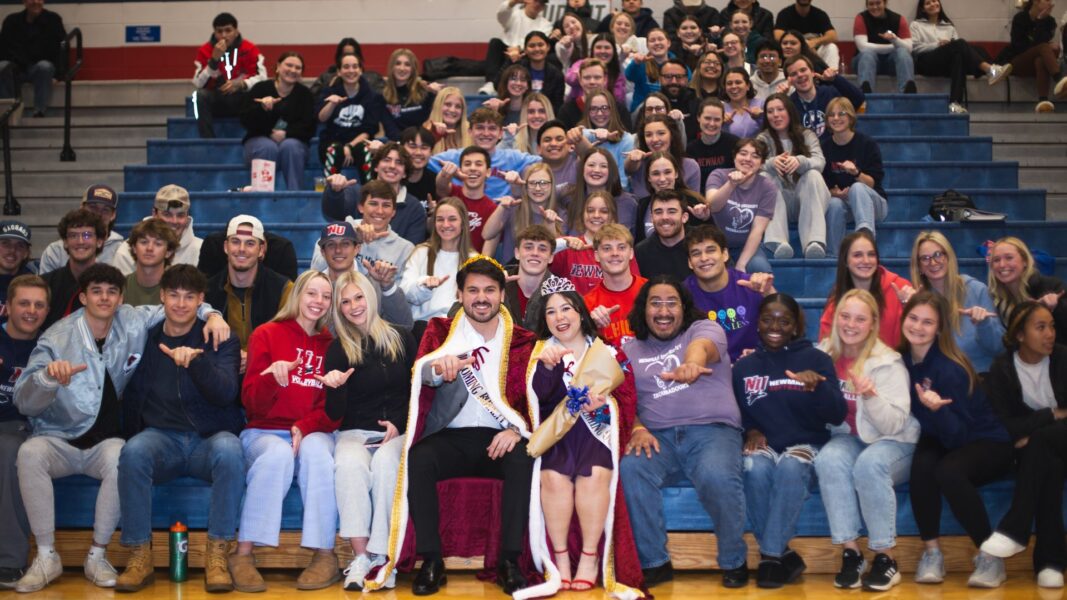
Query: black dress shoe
x=771, y=573
x=430, y=578
x=657, y=575
x=509, y=576
x=794, y=566
x=735, y=578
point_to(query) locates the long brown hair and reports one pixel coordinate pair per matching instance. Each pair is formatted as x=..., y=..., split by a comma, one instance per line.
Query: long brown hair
x=795, y=131
x=433, y=244
x=946, y=342
x=843, y=277
x=417, y=88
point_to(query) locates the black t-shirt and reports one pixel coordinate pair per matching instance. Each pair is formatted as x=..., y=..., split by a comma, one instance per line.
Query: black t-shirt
x=719, y=155
x=162, y=401
x=817, y=22
x=14, y=354
x=108, y=420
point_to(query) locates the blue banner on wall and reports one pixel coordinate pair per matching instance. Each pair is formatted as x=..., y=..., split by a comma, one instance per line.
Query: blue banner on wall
x=143, y=34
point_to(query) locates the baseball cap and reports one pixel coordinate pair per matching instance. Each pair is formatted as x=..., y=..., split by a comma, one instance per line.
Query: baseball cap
x=101, y=194
x=248, y=221
x=339, y=230
x=14, y=230
x=171, y=196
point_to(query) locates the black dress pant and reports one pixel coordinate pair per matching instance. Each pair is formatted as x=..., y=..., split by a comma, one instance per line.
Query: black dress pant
x=955, y=60
x=955, y=474
x=213, y=103
x=461, y=452
x=1039, y=496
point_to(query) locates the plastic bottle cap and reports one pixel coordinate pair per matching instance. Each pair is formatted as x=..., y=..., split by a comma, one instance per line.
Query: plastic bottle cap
x=179, y=526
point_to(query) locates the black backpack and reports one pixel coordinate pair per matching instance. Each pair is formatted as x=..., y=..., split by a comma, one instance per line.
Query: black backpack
x=954, y=206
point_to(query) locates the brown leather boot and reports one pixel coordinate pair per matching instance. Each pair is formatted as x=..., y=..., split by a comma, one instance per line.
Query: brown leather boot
x=245, y=576
x=322, y=572
x=216, y=570
x=139, y=571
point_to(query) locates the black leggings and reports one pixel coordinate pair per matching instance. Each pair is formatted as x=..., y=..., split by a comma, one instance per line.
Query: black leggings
x=956, y=474
x=1039, y=494
x=955, y=60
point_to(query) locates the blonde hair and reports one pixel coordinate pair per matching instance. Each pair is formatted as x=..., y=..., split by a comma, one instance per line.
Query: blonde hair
x=433, y=244
x=843, y=103
x=291, y=308
x=1003, y=297
x=525, y=139
x=461, y=137
x=417, y=88
x=524, y=215
x=955, y=291
x=834, y=347
x=376, y=332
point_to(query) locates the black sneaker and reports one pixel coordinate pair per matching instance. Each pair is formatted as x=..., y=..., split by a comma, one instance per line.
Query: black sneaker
x=883, y=575
x=735, y=578
x=909, y=88
x=9, y=576
x=771, y=573
x=794, y=565
x=866, y=87
x=660, y=574
x=852, y=566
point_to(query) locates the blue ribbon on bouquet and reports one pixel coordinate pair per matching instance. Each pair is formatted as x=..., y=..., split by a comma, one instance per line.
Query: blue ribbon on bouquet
x=577, y=398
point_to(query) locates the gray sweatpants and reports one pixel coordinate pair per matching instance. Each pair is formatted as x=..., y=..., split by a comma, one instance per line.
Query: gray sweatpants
x=14, y=528
x=804, y=203
x=44, y=458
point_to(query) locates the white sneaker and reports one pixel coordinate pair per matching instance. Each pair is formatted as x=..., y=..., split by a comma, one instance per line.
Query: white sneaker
x=488, y=89
x=956, y=108
x=100, y=572
x=356, y=572
x=931, y=567
x=1045, y=107
x=1060, y=89
x=1001, y=546
x=1050, y=578
x=814, y=251
x=44, y=570
x=783, y=251
x=989, y=571
x=997, y=73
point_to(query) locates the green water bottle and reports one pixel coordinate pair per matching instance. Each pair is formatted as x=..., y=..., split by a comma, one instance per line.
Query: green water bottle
x=179, y=552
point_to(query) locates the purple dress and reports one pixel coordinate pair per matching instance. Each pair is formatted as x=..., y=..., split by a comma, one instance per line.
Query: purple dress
x=579, y=450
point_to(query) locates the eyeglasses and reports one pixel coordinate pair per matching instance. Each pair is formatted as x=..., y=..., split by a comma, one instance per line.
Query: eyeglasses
x=926, y=259
x=664, y=303
x=541, y=183
x=81, y=235
x=767, y=57
x=655, y=109
x=674, y=77
x=710, y=63
x=600, y=109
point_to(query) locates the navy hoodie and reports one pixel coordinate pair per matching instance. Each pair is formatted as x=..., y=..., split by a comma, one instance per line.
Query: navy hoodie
x=778, y=406
x=644, y=20
x=361, y=113
x=968, y=418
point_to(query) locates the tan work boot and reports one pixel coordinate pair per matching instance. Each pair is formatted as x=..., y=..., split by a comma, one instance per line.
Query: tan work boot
x=322, y=572
x=139, y=571
x=216, y=570
x=245, y=576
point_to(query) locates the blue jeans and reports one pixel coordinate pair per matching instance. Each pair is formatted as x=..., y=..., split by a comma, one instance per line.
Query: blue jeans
x=271, y=467
x=160, y=455
x=868, y=65
x=710, y=457
x=865, y=207
x=856, y=482
x=40, y=74
x=775, y=491
x=290, y=156
x=757, y=264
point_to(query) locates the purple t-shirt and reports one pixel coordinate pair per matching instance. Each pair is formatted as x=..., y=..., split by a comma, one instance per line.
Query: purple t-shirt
x=662, y=404
x=733, y=307
x=743, y=206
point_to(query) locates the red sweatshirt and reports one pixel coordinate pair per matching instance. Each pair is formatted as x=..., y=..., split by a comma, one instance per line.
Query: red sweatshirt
x=892, y=313
x=303, y=401
x=244, y=60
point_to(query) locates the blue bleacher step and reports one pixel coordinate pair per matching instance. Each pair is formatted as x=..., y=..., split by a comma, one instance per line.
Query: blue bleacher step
x=907, y=103
x=201, y=177
x=912, y=204
x=924, y=125
x=185, y=128
x=952, y=174
x=219, y=207
x=229, y=151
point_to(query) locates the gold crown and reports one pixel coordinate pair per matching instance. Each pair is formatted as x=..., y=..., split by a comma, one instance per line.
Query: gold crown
x=478, y=257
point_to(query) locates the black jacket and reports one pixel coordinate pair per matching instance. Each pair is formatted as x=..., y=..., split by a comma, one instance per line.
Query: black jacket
x=27, y=43
x=297, y=111
x=281, y=256
x=553, y=86
x=1005, y=393
x=209, y=390
x=266, y=291
x=644, y=20
x=762, y=19
x=706, y=15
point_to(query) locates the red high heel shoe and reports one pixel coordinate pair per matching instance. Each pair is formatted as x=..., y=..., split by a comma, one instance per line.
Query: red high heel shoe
x=584, y=585
x=565, y=584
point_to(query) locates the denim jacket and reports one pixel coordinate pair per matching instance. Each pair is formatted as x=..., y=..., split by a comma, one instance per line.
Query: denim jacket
x=69, y=411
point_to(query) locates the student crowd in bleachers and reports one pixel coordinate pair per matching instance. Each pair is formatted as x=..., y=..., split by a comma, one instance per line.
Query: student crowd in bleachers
x=569, y=288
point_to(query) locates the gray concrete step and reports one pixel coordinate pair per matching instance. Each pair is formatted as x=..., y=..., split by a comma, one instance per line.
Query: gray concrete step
x=26, y=158
x=69, y=183
x=87, y=136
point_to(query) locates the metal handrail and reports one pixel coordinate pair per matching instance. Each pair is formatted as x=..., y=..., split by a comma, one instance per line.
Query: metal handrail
x=67, y=154
x=11, y=205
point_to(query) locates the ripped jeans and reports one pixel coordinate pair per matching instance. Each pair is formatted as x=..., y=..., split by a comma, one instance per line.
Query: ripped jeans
x=776, y=486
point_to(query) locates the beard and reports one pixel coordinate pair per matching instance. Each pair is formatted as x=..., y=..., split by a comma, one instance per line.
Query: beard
x=494, y=310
